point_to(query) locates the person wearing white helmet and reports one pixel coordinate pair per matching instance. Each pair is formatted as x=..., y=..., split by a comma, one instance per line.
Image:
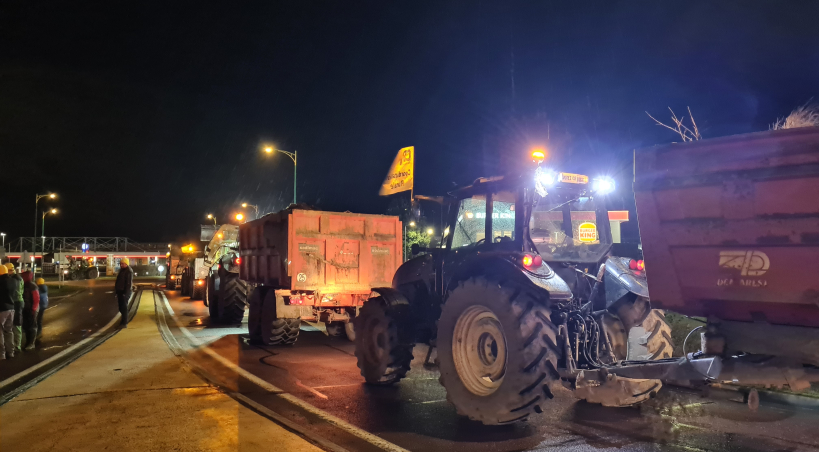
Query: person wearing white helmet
x=122, y=287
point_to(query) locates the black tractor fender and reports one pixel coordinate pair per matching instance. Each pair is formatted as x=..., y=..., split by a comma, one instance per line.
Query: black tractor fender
x=542, y=278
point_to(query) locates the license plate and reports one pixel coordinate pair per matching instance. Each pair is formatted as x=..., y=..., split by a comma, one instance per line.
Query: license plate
x=574, y=178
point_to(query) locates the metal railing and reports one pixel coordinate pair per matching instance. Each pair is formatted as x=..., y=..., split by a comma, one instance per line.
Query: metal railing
x=95, y=244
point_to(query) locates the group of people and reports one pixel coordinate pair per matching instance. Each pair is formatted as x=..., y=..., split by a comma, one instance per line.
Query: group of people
x=22, y=304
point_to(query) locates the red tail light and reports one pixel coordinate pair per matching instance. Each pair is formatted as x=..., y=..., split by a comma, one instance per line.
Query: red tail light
x=238, y=260
x=636, y=265
x=530, y=261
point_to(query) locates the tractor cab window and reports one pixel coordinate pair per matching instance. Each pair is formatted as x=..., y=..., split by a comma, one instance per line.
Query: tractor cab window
x=470, y=225
x=565, y=229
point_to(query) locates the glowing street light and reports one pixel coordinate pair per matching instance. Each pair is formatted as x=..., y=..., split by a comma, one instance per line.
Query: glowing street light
x=430, y=231
x=293, y=157
x=538, y=155
x=412, y=224
x=239, y=217
x=3, y=234
x=211, y=217
x=37, y=199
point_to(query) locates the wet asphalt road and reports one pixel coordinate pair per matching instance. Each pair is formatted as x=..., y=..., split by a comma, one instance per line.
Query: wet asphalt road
x=67, y=321
x=415, y=415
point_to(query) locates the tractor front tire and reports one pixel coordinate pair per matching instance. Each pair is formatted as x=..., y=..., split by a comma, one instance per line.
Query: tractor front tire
x=92, y=273
x=233, y=300
x=383, y=343
x=497, y=350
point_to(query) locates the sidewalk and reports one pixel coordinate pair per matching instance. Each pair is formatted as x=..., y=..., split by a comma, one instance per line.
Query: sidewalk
x=132, y=393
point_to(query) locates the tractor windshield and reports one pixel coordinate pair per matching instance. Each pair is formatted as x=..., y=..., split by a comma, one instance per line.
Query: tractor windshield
x=565, y=228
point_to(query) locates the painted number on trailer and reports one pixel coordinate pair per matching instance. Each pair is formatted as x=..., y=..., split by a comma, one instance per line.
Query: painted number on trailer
x=301, y=277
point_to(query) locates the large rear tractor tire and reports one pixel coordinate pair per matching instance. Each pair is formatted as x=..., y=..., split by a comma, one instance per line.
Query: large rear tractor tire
x=92, y=273
x=233, y=300
x=383, y=340
x=277, y=331
x=497, y=351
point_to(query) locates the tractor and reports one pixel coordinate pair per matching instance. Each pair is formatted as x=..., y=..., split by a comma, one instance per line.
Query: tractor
x=225, y=295
x=522, y=296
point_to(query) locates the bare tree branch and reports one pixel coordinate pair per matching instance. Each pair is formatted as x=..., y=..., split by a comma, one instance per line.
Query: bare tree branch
x=686, y=133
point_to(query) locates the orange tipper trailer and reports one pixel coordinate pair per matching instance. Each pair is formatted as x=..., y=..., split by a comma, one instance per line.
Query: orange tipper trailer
x=730, y=232
x=315, y=266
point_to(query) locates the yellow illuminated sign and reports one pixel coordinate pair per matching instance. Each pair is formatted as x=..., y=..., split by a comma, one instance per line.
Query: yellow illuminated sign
x=573, y=178
x=400, y=178
x=587, y=232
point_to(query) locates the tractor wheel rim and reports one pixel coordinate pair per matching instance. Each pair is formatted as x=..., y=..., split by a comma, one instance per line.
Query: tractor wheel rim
x=378, y=340
x=479, y=350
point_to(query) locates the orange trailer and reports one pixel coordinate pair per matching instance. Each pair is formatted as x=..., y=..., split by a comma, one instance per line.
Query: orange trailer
x=315, y=266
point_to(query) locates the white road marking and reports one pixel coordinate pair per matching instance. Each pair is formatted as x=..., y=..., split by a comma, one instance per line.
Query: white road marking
x=37, y=366
x=329, y=418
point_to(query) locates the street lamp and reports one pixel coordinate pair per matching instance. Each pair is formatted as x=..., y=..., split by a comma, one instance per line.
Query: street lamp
x=430, y=231
x=3, y=234
x=42, y=230
x=293, y=157
x=239, y=217
x=37, y=199
x=255, y=208
x=210, y=217
x=412, y=224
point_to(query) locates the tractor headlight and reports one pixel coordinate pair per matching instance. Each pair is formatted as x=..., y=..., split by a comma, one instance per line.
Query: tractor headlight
x=603, y=185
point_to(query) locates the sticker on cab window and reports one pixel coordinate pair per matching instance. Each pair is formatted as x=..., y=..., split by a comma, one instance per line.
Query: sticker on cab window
x=587, y=232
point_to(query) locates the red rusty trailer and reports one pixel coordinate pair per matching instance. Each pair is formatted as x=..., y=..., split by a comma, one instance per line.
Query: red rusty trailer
x=315, y=266
x=730, y=231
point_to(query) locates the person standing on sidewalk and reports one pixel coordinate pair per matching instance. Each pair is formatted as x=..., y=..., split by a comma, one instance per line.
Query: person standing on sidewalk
x=125, y=280
x=18, y=307
x=41, y=286
x=31, y=298
x=8, y=293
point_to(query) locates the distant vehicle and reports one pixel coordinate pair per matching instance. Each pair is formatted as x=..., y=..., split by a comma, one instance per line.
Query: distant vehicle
x=173, y=277
x=314, y=266
x=79, y=268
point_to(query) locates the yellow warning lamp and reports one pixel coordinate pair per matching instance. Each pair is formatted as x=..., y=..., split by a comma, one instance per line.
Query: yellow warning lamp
x=538, y=155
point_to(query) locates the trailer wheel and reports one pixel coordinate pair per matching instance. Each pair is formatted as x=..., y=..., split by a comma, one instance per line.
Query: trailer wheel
x=254, y=316
x=277, y=331
x=497, y=351
x=233, y=300
x=335, y=329
x=198, y=292
x=383, y=345
x=349, y=330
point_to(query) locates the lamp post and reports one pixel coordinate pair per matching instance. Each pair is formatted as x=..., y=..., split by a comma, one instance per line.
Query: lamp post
x=255, y=209
x=211, y=217
x=37, y=199
x=3, y=234
x=293, y=156
x=42, y=231
x=239, y=217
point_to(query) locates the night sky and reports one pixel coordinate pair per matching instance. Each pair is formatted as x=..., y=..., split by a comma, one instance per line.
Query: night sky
x=145, y=118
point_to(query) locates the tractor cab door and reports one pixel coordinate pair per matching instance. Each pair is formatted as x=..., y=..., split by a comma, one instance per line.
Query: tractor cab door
x=483, y=222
